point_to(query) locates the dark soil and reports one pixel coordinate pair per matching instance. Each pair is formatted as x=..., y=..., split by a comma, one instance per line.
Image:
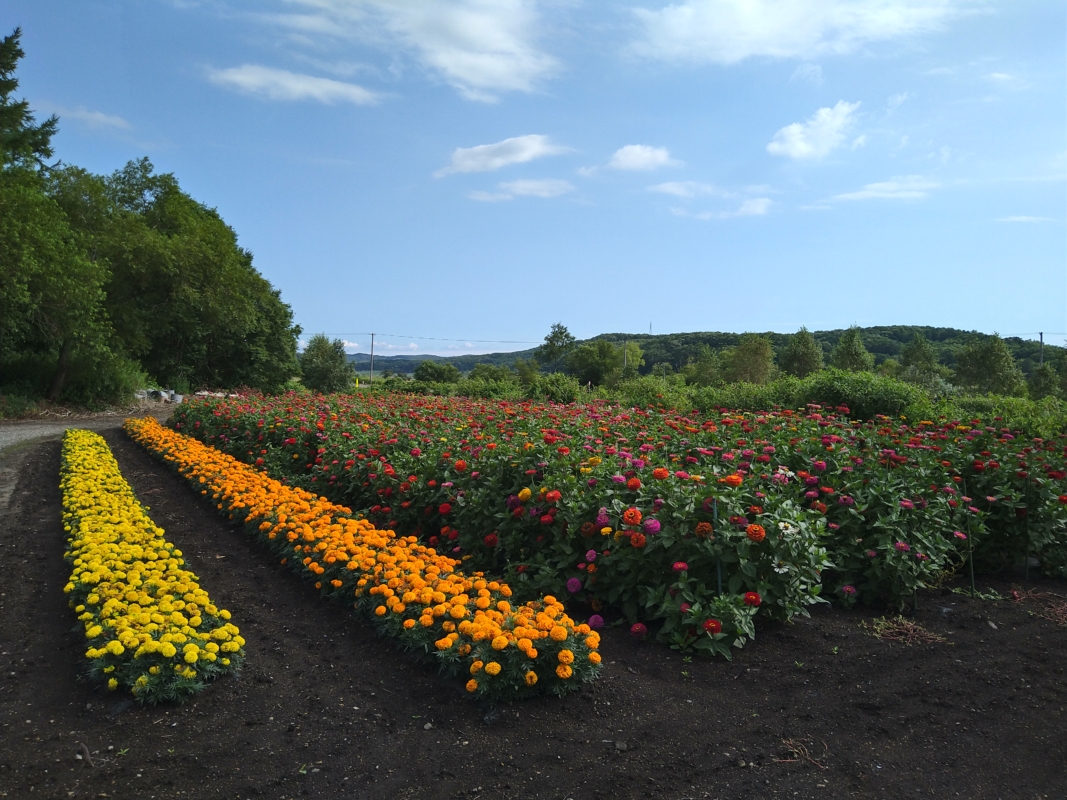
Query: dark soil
x=324, y=709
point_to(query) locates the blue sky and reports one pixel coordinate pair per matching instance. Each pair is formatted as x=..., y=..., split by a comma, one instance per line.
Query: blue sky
x=472, y=171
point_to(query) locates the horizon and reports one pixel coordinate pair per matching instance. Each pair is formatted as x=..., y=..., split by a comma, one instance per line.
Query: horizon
x=485, y=170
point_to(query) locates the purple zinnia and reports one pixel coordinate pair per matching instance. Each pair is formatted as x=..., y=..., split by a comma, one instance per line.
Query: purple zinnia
x=651, y=526
x=596, y=622
x=574, y=585
x=590, y=556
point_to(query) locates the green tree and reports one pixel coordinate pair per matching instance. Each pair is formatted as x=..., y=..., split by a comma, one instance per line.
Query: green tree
x=23, y=143
x=802, y=356
x=890, y=368
x=491, y=372
x=594, y=361
x=558, y=343
x=1044, y=382
x=527, y=371
x=325, y=366
x=183, y=298
x=437, y=372
x=705, y=369
x=920, y=354
x=985, y=365
x=850, y=354
x=751, y=361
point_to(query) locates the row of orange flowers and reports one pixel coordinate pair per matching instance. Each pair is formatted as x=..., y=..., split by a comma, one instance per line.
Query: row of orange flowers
x=150, y=627
x=466, y=623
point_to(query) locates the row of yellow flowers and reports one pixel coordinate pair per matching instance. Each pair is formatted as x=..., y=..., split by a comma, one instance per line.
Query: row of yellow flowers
x=409, y=592
x=151, y=629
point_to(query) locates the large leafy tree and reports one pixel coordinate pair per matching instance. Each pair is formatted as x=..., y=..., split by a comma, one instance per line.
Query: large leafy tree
x=558, y=343
x=436, y=372
x=850, y=354
x=325, y=366
x=182, y=296
x=1044, y=382
x=705, y=369
x=986, y=365
x=802, y=356
x=752, y=361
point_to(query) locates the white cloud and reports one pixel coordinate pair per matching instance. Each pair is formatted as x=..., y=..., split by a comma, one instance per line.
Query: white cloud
x=548, y=187
x=488, y=157
x=1000, y=77
x=729, y=31
x=1024, y=219
x=687, y=189
x=280, y=84
x=812, y=73
x=907, y=187
x=351, y=347
x=94, y=119
x=545, y=188
x=481, y=47
x=859, y=142
x=641, y=157
x=817, y=137
x=489, y=197
x=896, y=101
x=755, y=207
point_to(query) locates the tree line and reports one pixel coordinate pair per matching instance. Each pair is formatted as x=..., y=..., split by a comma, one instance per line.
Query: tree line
x=112, y=282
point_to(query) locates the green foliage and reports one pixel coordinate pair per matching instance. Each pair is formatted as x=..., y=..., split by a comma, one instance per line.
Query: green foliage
x=752, y=361
x=558, y=343
x=555, y=387
x=705, y=369
x=863, y=393
x=436, y=372
x=325, y=366
x=850, y=354
x=489, y=372
x=985, y=365
x=527, y=370
x=1044, y=382
x=802, y=356
x=22, y=142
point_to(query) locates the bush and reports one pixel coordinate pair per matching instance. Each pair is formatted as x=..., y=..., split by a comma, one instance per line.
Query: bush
x=555, y=387
x=864, y=393
x=431, y=372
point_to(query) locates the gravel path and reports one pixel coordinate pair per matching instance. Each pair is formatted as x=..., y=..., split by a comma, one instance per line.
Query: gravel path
x=13, y=433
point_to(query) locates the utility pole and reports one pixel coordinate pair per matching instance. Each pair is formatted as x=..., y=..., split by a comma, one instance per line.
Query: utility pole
x=371, y=359
x=625, y=344
x=1041, y=352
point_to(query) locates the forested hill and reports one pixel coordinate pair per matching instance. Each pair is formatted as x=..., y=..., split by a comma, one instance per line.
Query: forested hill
x=676, y=349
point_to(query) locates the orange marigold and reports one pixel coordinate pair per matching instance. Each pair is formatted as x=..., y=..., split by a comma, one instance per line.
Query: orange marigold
x=564, y=671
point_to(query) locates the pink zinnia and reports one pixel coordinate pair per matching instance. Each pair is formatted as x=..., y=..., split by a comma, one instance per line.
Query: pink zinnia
x=903, y=547
x=638, y=630
x=680, y=566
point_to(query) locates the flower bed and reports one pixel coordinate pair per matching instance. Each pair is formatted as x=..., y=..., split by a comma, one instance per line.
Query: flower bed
x=464, y=622
x=151, y=629
x=893, y=502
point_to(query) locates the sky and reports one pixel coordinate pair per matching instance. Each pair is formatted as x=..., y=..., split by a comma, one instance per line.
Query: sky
x=458, y=175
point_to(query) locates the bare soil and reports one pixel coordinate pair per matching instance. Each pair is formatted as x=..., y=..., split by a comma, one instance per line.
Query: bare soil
x=324, y=709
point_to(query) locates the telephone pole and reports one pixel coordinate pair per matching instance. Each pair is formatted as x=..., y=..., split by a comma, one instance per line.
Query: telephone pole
x=371, y=359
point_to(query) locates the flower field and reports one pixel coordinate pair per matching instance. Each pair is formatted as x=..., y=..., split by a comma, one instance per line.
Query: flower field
x=150, y=627
x=703, y=522
x=465, y=622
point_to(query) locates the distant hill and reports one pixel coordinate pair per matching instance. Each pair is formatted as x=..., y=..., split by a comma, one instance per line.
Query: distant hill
x=677, y=348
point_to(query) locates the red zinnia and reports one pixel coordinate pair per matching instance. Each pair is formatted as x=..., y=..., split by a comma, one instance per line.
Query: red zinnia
x=638, y=540
x=660, y=473
x=752, y=599
x=490, y=540
x=712, y=626
x=444, y=508
x=553, y=496
x=633, y=484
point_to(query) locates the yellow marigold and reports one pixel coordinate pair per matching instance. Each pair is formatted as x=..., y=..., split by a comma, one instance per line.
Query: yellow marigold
x=500, y=642
x=525, y=494
x=558, y=633
x=112, y=684
x=530, y=678
x=472, y=685
x=492, y=668
x=564, y=671
x=565, y=657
